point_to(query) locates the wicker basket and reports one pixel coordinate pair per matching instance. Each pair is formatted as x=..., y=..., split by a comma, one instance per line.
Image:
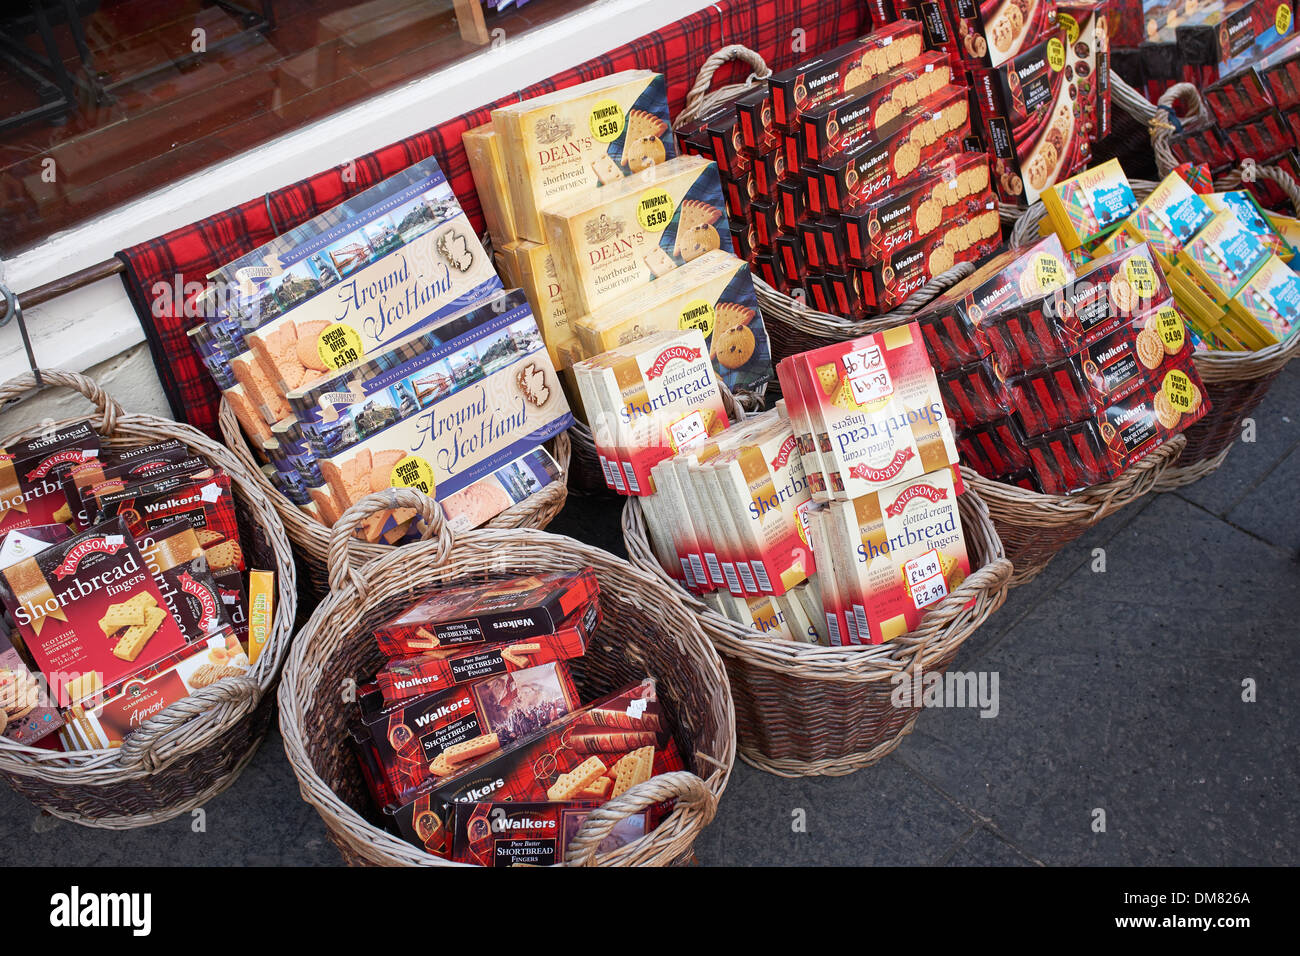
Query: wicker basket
x=804, y=710
x=311, y=539
x=645, y=630
x=193, y=750
x=1235, y=382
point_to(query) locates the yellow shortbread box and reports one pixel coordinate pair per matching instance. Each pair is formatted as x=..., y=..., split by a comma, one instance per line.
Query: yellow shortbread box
x=577, y=140
x=626, y=236
x=483, y=150
x=540, y=280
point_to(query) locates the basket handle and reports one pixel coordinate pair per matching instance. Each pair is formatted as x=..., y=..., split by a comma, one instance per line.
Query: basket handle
x=144, y=749
x=680, y=785
x=341, y=571
x=107, y=407
x=704, y=78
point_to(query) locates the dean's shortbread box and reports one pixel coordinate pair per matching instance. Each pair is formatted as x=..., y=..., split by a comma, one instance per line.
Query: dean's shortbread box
x=541, y=282
x=626, y=236
x=715, y=294
x=483, y=150
x=657, y=398
x=577, y=140
x=876, y=409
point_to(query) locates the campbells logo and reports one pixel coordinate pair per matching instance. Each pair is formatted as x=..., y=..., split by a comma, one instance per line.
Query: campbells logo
x=683, y=352
x=207, y=603
x=783, y=455
x=890, y=470
x=928, y=492
x=75, y=455
x=109, y=544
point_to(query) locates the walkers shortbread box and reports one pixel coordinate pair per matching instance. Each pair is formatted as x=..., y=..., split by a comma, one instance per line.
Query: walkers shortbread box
x=89, y=612
x=875, y=404
x=537, y=834
x=121, y=467
x=206, y=503
x=627, y=235
x=31, y=475
x=993, y=31
x=714, y=293
x=580, y=140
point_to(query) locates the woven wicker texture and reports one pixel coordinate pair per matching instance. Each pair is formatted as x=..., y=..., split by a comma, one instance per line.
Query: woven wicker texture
x=646, y=630
x=311, y=539
x=191, y=751
x=804, y=709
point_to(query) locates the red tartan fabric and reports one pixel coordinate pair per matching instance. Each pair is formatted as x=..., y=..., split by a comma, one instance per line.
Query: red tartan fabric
x=191, y=252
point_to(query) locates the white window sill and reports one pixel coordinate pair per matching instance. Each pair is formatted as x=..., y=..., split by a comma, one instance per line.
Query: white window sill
x=94, y=324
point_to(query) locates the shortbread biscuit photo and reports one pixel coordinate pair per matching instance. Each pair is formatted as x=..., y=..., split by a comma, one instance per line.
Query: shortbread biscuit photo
x=1122, y=296
x=1165, y=411
x=1150, y=350
x=928, y=215
x=307, y=351
x=735, y=347
x=907, y=158
x=941, y=260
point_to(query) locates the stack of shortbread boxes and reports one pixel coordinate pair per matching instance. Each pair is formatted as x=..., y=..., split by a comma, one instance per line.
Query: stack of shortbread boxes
x=612, y=236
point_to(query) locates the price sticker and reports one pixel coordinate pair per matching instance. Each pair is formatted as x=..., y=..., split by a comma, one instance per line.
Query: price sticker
x=1178, y=390
x=697, y=314
x=1141, y=275
x=413, y=472
x=654, y=210
x=1171, y=328
x=606, y=121
x=1056, y=54
x=868, y=375
x=339, y=345
x=688, y=432
x=928, y=591
x=1282, y=19
x=922, y=567
x=1048, y=271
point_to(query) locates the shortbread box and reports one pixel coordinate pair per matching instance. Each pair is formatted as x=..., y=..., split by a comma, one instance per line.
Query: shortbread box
x=993, y=31
x=909, y=214
x=32, y=471
x=477, y=613
x=29, y=714
x=876, y=407
x=659, y=397
x=553, y=764
x=191, y=593
x=838, y=124
x=756, y=119
x=483, y=150
x=541, y=282
x=418, y=738
x=199, y=665
x=116, y=469
x=1223, y=256
x=88, y=612
x=206, y=503
x=1269, y=302
x=714, y=293
x=536, y=834
x=908, y=552
x=509, y=485
x=513, y=404
x=629, y=234
x=973, y=394
x=768, y=497
x=576, y=141
x=921, y=136
x=1097, y=201
x=1087, y=44
x=820, y=79
x=994, y=448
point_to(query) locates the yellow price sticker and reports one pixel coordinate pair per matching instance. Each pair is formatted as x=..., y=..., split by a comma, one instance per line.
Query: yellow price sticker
x=654, y=210
x=1056, y=54
x=1171, y=328
x=1071, y=26
x=1178, y=390
x=1048, y=271
x=1283, y=19
x=1141, y=275
x=339, y=345
x=413, y=472
x=697, y=314
x=606, y=121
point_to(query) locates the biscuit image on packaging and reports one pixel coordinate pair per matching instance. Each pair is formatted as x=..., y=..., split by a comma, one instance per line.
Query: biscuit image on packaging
x=632, y=769
x=907, y=158
x=209, y=673
x=734, y=347
x=305, y=350
x=79, y=688
x=828, y=376
x=696, y=234
x=576, y=779
x=941, y=260
x=598, y=789
x=1042, y=165
x=1150, y=350
x=1165, y=411
x=227, y=554
x=474, y=747
x=135, y=638
x=659, y=262
x=606, y=169
x=1122, y=295
x=118, y=616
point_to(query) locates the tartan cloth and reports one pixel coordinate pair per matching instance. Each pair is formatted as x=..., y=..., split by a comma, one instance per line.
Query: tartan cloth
x=191, y=252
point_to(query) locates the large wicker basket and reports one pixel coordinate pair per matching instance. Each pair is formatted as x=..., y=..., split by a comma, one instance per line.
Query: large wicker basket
x=1235, y=382
x=311, y=539
x=193, y=750
x=645, y=631
x=804, y=710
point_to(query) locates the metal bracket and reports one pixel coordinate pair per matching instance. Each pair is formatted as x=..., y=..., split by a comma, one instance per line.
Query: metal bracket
x=13, y=310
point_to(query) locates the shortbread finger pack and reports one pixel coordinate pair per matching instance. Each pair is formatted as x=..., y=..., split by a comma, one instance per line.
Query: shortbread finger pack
x=579, y=140
x=627, y=235
x=120, y=466
x=191, y=593
x=31, y=475
x=656, y=398
x=536, y=834
x=875, y=408
x=715, y=294
x=88, y=612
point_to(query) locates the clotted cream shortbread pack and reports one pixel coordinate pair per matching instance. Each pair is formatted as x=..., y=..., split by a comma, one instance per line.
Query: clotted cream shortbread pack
x=625, y=236
x=875, y=405
x=658, y=397
x=581, y=139
x=715, y=294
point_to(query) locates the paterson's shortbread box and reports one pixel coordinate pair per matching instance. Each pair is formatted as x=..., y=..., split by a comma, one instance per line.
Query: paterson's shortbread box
x=627, y=235
x=386, y=288
x=821, y=79
x=191, y=593
x=657, y=397
x=876, y=408
x=423, y=738
x=32, y=471
x=579, y=140
x=89, y=612
x=715, y=294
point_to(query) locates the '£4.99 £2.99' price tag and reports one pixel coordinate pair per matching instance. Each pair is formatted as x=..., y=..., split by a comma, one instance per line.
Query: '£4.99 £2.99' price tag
x=868, y=375
x=925, y=579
